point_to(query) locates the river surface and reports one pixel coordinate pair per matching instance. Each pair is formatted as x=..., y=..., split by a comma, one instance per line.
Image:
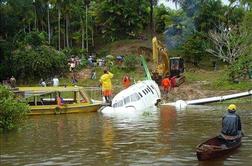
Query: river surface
x=163, y=137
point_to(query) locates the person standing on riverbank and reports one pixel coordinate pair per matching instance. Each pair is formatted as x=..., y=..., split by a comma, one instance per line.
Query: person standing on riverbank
x=55, y=81
x=166, y=84
x=126, y=81
x=105, y=82
x=42, y=82
x=13, y=82
x=93, y=74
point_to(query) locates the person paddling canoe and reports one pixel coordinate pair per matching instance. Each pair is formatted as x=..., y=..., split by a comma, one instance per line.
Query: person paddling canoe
x=231, y=124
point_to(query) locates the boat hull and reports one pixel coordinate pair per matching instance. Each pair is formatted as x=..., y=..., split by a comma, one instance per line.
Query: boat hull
x=64, y=109
x=216, y=148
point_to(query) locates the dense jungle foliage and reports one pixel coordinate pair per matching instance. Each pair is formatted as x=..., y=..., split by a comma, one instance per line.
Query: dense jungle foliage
x=38, y=36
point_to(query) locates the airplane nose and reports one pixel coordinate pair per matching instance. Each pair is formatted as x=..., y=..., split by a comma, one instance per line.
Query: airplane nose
x=106, y=110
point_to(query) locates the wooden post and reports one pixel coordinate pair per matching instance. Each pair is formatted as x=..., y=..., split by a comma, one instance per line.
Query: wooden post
x=35, y=100
x=78, y=96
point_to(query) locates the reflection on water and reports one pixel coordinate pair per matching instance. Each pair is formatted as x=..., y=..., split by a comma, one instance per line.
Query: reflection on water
x=162, y=137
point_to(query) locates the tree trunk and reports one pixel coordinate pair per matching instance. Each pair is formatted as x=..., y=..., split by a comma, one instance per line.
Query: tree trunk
x=86, y=29
x=82, y=34
x=59, y=27
x=29, y=29
x=67, y=30
x=64, y=37
x=35, y=20
x=48, y=25
x=92, y=34
x=138, y=7
x=151, y=17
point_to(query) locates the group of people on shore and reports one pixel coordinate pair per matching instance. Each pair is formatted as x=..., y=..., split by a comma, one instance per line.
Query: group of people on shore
x=53, y=82
x=73, y=62
x=11, y=82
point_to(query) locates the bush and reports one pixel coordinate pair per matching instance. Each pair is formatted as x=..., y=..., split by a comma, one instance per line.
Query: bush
x=12, y=112
x=42, y=62
x=73, y=52
x=35, y=38
x=240, y=69
x=131, y=62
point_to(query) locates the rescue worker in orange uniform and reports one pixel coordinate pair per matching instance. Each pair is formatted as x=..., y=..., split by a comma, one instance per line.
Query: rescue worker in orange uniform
x=166, y=84
x=126, y=81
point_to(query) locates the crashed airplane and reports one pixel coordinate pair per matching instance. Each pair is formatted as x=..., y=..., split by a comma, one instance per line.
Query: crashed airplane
x=138, y=97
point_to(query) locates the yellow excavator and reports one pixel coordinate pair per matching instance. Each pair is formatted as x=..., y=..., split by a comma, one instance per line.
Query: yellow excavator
x=165, y=66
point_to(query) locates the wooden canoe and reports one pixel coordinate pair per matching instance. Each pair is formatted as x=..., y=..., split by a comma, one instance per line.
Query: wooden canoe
x=216, y=147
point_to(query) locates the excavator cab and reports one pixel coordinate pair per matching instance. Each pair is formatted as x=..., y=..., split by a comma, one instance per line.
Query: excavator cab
x=176, y=66
x=165, y=66
x=176, y=70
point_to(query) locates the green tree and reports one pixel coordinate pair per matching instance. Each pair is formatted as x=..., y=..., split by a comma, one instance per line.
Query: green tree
x=5, y=61
x=163, y=18
x=119, y=19
x=194, y=48
x=131, y=62
x=210, y=13
x=41, y=62
x=12, y=112
x=152, y=4
x=241, y=68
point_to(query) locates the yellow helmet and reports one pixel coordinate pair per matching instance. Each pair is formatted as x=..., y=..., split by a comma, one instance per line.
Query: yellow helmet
x=232, y=107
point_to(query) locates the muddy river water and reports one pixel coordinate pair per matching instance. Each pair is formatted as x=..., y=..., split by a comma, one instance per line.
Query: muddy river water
x=163, y=137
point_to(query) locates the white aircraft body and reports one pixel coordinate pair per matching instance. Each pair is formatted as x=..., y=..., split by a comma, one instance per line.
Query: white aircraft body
x=138, y=97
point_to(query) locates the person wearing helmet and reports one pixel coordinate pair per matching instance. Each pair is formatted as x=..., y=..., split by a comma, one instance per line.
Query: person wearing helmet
x=231, y=124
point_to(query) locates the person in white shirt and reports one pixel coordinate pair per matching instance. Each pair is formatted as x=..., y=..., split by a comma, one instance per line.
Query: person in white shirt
x=55, y=81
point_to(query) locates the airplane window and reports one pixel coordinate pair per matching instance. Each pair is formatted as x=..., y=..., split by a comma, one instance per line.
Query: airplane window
x=140, y=94
x=134, y=97
x=150, y=90
x=114, y=105
x=120, y=103
x=126, y=100
x=144, y=92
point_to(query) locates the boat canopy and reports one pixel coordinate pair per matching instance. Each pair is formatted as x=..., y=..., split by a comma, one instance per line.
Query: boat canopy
x=38, y=91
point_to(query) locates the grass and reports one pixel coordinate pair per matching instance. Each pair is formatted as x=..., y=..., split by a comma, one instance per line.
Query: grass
x=216, y=80
x=202, y=75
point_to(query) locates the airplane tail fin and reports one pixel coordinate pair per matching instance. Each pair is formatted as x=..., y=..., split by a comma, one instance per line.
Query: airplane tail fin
x=146, y=70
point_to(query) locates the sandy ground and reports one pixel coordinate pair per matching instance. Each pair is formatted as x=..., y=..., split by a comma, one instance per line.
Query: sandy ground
x=193, y=91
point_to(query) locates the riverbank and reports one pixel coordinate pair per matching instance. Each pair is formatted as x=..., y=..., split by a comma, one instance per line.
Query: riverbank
x=201, y=81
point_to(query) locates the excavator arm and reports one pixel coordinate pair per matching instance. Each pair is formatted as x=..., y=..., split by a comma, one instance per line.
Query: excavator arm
x=160, y=58
x=162, y=63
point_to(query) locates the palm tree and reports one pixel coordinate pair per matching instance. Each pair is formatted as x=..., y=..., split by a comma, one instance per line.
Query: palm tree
x=152, y=4
x=48, y=21
x=66, y=6
x=59, y=3
x=35, y=15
